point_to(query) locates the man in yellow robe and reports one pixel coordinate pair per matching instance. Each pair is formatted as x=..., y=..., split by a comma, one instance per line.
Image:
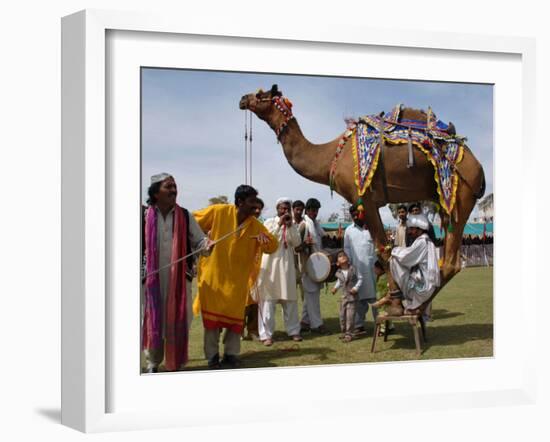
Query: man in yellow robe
x=226, y=276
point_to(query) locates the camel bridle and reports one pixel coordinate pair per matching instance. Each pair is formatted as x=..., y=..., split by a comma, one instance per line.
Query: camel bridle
x=281, y=105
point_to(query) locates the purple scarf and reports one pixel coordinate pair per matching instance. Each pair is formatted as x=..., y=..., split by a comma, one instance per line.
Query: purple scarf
x=176, y=346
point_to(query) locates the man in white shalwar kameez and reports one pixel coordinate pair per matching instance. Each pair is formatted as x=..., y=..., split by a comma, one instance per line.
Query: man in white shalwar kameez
x=277, y=278
x=359, y=248
x=415, y=269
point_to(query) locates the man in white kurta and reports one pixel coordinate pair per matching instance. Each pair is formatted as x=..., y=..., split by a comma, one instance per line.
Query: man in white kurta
x=312, y=234
x=277, y=278
x=415, y=269
x=415, y=209
x=359, y=248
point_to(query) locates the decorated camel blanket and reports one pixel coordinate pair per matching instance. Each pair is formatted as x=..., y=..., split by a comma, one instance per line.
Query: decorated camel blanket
x=443, y=150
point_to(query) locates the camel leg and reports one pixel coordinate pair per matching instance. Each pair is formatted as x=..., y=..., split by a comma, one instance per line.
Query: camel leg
x=451, y=253
x=471, y=181
x=374, y=223
x=465, y=202
x=376, y=229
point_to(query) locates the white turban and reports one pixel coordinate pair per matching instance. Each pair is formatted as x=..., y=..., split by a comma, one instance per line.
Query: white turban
x=283, y=200
x=160, y=177
x=420, y=221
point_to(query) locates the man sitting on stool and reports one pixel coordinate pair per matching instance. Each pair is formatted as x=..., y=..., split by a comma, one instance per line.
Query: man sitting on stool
x=415, y=269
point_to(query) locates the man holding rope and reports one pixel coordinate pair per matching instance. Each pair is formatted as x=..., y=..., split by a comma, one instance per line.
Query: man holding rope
x=226, y=276
x=170, y=233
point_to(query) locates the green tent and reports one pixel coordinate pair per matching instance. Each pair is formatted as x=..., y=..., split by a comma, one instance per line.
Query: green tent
x=474, y=229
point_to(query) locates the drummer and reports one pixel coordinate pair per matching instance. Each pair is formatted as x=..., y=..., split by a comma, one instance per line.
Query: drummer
x=311, y=233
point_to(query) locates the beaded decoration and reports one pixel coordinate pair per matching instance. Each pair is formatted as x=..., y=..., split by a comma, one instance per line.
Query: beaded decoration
x=284, y=105
x=443, y=150
x=343, y=140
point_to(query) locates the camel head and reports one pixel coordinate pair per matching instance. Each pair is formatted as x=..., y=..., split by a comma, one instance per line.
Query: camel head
x=269, y=106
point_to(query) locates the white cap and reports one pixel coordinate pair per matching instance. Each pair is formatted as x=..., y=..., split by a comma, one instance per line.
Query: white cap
x=283, y=200
x=420, y=221
x=160, y=177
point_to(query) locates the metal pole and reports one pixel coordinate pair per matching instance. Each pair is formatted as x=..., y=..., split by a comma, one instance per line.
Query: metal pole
x=250, y=147
x=245, y=149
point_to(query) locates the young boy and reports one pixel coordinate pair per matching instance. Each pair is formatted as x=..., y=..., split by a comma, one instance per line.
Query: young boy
x=349, y=281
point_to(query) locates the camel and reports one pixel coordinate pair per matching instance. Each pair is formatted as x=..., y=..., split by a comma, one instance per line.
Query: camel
x=393, y=181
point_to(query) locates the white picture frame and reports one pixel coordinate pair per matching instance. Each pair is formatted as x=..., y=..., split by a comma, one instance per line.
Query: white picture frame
x=85, y=202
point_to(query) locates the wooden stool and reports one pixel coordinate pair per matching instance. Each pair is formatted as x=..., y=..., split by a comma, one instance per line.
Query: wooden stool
x=414, y=320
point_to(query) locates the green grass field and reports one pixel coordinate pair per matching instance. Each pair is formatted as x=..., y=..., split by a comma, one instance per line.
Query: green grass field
x=461, y=326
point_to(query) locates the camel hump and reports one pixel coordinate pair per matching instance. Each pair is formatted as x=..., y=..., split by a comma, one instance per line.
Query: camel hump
x=409, y=113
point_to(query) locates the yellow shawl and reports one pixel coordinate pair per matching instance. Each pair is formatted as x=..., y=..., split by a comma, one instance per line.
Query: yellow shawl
x=227, y=275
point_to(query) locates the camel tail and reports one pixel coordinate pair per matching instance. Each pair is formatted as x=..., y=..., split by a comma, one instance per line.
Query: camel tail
x=483, y=186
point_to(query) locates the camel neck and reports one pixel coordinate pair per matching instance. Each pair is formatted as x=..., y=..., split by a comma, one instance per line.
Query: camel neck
x=312, y=161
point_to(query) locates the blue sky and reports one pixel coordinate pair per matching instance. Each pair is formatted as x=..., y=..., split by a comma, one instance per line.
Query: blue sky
x=193, y=128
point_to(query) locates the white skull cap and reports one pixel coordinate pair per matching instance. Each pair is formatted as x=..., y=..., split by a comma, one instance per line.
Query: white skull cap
x=420, y=221
x=160, y=177
x=282, y=200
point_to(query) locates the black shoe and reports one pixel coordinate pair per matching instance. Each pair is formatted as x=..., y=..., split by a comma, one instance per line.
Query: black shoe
x=151, y=370
x=214, y=362
x=230, y=362
x=321, y=330
x=304, y=327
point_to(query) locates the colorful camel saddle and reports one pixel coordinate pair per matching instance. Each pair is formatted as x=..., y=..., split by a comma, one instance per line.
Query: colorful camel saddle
x=433, y=137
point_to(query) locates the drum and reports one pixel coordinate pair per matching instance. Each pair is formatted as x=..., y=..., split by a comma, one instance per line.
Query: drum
x=318, y=266
x=333, y=256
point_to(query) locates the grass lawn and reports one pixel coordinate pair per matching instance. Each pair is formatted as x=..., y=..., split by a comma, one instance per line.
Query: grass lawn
x=461, y=326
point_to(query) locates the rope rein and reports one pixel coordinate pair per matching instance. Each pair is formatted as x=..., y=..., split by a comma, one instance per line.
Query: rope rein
x=200, y=249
